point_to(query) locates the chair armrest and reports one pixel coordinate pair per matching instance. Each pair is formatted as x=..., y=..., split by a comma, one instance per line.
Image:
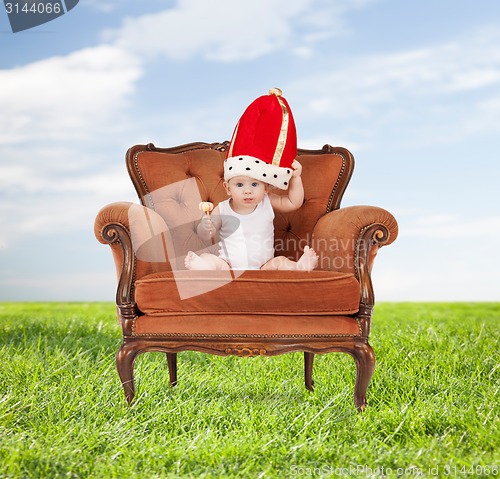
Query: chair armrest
x=348, y=240
x=138, y=243
x=114, y=213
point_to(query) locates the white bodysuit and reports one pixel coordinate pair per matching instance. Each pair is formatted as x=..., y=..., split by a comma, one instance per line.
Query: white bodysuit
x=247, y=241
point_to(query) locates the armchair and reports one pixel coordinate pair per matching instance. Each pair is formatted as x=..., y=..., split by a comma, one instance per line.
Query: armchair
x=161, y=306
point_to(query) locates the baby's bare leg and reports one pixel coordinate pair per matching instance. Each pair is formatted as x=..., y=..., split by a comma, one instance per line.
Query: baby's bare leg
x=307, y=262
x=279, y=262
x=204, y=261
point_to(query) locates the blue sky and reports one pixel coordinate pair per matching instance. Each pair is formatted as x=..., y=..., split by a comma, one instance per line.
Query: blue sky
x=411, y=88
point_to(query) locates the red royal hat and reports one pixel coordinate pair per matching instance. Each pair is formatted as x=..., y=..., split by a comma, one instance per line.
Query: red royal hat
x=264, y=142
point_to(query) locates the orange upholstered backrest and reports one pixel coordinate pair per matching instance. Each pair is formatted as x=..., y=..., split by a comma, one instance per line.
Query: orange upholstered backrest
x=172, y=181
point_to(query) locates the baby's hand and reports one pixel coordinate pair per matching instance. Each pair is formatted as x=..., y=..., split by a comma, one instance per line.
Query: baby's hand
x=297, y=168
x=206, y=223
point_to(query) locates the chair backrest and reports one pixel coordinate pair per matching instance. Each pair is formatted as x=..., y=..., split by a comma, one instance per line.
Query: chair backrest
x=172, y=181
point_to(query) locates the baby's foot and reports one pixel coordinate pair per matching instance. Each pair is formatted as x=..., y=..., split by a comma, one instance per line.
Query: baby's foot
x=194, y=262
x=308, y=261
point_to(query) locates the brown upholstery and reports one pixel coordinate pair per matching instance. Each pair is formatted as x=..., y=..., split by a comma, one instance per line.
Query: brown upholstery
x=247, y=326
x=164, y=307
x=281, y=293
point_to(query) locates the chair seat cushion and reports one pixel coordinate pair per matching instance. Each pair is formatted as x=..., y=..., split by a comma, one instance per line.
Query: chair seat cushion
x=253, y=291
x=250, y=303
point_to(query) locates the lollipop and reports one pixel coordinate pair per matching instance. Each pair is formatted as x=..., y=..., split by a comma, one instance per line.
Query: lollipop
x=206, y=207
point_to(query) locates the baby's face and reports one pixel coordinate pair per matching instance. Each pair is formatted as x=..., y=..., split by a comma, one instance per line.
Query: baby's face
x=246, y=192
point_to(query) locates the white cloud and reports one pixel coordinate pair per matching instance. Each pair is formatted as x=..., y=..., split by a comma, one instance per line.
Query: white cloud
x=63, y=97
x=60, y=286
x=225, y=30
x=105, y=6
x=238, y=30
x=36, y=202
x=15, y=179
x=475, y=79
x=426, y=91
x=442, y=226
x=434, y=281
x=48, y=100
x=440, y=257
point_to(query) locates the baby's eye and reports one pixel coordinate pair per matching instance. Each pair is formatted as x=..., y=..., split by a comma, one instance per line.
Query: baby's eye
x=239, y=185
x=254, y=184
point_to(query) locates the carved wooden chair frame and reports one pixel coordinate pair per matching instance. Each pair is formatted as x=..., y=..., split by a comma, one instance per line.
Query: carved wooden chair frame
x=370, y=239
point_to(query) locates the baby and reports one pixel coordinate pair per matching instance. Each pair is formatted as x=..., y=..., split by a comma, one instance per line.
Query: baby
x=244, y=225
x=262, y=152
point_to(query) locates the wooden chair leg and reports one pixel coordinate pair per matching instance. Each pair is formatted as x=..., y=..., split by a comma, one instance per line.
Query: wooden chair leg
x=308, y=369
x=125, y=358
x=365, y=365
x=172, y=367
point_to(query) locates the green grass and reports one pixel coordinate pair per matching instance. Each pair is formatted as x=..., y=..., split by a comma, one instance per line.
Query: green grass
x=433, y=402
